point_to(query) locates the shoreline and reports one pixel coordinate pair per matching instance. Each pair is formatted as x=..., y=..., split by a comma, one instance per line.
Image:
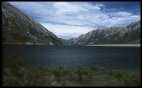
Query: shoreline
x=103, y=45
x=117, y=45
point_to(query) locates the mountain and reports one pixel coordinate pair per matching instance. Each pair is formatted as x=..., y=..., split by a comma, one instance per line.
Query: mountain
x=66, y=41
x=112, y=35
x=19, y=28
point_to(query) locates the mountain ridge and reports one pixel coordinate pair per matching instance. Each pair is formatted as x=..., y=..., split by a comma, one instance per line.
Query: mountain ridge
x=19, y=28
x=111, y=35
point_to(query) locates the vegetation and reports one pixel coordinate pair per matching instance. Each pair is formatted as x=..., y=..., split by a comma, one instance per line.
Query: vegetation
x=117, y=45
x=15, y=74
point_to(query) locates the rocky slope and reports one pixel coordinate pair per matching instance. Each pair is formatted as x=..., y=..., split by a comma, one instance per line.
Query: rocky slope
x=112, y=35
x=19, y=28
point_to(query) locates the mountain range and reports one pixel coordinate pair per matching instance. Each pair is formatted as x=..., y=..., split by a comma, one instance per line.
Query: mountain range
x=19, y=28
x=112, y=35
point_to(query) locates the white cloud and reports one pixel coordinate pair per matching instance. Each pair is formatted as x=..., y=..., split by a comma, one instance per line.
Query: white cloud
x=121, y=14
x=122, y=20
x=66, y=30
x=83, y=14
x=75, y=7
x=124, y=14
x=66, y=7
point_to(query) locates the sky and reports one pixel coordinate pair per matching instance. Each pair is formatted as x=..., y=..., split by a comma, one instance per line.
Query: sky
x=71, y=19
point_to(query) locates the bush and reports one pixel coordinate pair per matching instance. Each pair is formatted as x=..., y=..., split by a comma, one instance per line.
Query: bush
x=17, y=75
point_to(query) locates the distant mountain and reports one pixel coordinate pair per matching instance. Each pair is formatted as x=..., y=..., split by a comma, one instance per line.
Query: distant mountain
x=19, y=28
x=66, y=41
x=112, y=35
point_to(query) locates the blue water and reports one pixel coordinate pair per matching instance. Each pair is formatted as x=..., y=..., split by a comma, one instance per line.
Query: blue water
x=75, y=56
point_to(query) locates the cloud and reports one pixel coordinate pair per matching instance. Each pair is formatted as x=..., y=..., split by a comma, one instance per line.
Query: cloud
x=67, y=31
x=76, y=18
x=75, y=7
x=71, y=13
x=120, y=19
x=65, y=8
x=121, y=14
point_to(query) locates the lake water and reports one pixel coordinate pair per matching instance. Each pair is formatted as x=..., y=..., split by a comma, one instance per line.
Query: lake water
x=75, y=56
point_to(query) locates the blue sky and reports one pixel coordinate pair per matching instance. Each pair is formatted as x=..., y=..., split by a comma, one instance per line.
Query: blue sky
x=71, y=19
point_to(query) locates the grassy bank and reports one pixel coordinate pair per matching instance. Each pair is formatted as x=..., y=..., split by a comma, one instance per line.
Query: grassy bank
x=117, y=45
x=17, y=75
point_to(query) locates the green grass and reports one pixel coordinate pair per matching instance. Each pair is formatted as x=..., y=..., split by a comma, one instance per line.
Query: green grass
x=18, y=75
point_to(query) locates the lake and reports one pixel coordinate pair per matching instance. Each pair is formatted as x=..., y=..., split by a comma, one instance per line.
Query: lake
x=75, y=56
